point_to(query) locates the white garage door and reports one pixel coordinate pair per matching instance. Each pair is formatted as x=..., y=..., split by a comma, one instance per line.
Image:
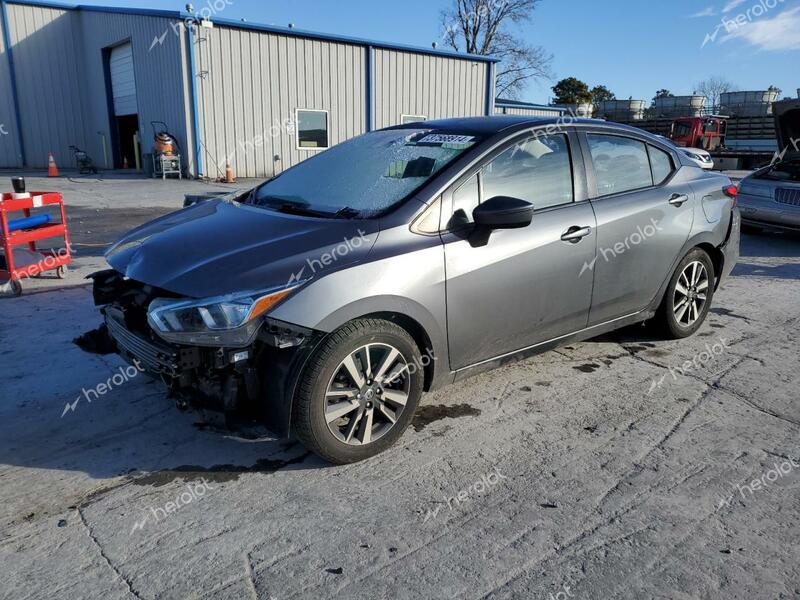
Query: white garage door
x=123, y=83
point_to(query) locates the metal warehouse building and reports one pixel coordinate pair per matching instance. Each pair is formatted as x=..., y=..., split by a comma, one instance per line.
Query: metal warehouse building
x=262, y=98
x=526, y=109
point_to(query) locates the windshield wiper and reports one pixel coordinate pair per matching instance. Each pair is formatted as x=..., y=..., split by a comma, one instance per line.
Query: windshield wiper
x=298, y=209
x=347, y=213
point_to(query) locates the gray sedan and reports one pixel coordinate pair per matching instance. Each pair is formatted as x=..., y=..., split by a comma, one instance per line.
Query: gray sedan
x=327, y=300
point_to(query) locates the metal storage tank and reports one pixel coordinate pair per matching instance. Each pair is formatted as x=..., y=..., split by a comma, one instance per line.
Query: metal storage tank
x=515, y=107
x=748, y=104
x=583, y=110
x=621, y=110
x=680, y=106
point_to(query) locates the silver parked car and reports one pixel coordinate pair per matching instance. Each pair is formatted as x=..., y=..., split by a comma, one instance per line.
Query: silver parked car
x=328, y=299
x=770, y=197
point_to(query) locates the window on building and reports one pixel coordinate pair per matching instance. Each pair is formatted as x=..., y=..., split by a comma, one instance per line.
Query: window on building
x=661, y=165
x=620, y=164
x=312, y=129
x=412, y=119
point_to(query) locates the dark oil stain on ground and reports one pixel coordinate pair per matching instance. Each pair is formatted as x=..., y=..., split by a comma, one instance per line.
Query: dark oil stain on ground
x=726, y=312
x=428, y=414
x=217, y=473
x=587, y=368
x=543, y=383
x=717, y=326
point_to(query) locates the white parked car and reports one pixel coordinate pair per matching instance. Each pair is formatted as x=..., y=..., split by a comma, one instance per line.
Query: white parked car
x=702, y=158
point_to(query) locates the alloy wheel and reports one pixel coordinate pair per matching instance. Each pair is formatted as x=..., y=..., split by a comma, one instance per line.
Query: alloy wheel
x=367, y=394
x=691, y=294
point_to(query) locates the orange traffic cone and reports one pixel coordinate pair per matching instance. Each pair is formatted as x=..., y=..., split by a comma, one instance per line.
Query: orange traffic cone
x=229, y=178
x=52, y=169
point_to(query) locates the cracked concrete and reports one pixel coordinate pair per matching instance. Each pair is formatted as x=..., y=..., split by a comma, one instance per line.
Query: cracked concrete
x=608, y=489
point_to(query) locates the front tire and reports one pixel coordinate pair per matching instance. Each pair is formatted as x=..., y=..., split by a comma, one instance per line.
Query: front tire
x=359, y=391
x=688, y=297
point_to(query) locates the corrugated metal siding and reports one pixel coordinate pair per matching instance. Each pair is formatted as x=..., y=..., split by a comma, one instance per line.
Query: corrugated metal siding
x=433, y=86
x=46, y=57
x=61, y=81
x=9, y=146
x=158, y=70
x=252, y=83
x=527, y=112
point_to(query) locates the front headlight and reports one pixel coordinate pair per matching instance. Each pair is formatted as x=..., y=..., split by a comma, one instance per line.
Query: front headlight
x=230, y=320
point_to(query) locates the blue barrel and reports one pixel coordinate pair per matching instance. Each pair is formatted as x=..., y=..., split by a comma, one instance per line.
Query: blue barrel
x=28, y=222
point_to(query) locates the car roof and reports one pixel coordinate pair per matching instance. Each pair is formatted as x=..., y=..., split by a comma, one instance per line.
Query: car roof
x=487, y=126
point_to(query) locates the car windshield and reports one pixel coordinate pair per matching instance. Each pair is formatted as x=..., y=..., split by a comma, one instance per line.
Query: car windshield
x=783, y=171
x=365, y=176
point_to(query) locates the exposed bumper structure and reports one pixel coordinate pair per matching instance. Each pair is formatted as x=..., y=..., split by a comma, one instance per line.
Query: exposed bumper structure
x=258, y=380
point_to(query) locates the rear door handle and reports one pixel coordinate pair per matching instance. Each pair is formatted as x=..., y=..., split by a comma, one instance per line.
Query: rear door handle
x=575, y=234
x=678, y=199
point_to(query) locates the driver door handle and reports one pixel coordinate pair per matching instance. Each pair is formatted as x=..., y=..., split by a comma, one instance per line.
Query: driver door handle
x=678, y=199
x=575, y=234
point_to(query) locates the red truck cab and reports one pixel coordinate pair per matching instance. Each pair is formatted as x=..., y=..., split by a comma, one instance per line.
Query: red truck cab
x=707, y=133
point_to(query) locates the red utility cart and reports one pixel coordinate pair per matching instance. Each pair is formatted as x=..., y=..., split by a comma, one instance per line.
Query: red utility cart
x=26, y=203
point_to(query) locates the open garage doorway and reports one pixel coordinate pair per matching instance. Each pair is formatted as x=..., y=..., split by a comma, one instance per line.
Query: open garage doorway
x=123, y=105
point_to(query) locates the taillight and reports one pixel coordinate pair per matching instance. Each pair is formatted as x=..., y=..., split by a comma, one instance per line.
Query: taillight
x=732, y=191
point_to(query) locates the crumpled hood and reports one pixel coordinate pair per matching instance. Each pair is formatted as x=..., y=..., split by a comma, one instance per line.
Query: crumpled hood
x=220, y=247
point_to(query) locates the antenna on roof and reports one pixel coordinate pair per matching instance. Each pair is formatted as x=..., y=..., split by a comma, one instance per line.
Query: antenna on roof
x=435, y=45
x=291, y=25
x=189, y=8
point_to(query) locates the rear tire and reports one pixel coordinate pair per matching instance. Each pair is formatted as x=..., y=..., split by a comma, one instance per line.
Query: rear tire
x=688, y=297
x=359, y=391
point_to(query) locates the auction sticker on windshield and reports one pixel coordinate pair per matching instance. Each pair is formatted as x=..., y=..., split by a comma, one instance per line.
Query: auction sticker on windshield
x=446, y=139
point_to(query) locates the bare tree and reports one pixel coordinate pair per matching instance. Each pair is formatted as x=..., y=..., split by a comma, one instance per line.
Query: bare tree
x=484, y=27
x=712, y=88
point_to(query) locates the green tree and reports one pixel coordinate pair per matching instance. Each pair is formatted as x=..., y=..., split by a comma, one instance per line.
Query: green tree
x=664, y=94
x=601, y=93
x=571, y=91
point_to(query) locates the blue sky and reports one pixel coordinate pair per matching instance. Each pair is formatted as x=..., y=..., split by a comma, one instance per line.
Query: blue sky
x=634, y=47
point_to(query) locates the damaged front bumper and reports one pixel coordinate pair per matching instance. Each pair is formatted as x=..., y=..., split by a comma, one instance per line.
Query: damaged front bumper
x=258, y=379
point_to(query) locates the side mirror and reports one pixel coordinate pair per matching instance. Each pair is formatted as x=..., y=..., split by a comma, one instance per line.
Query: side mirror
x=503, y=212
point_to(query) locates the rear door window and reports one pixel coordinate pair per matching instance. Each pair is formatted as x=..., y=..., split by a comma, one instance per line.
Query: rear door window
x=621, y=164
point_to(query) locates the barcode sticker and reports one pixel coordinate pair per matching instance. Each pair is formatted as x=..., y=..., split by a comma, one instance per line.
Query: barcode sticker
x=445, y=139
